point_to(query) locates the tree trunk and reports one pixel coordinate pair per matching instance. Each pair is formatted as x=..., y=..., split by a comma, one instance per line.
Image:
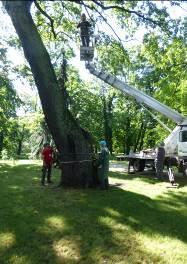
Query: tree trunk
x=19, y=149
x=138, y=138
x=108, y=116
x=72, y=142
x=1, y=143
x=143, y=130
x=141, y=135
x=127, y=139
x=20, y=140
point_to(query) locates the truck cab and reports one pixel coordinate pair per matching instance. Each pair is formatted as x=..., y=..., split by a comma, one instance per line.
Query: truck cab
x=182, y=143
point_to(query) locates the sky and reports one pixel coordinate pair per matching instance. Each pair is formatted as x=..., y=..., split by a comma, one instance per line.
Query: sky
x=17, y=57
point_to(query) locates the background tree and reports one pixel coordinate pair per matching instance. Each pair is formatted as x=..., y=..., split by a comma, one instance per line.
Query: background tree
x=9, y=101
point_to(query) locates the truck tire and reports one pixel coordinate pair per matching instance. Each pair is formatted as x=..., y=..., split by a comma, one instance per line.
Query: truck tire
x=139, y=165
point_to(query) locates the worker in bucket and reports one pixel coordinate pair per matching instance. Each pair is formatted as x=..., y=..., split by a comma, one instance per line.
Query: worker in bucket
x=84, y=26
x=159, y=160
x=103, y=165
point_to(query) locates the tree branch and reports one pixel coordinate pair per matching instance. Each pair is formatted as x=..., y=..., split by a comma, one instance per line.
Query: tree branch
x=126, y=10
x=64, y=33
x=46, y=15
x=64, y=6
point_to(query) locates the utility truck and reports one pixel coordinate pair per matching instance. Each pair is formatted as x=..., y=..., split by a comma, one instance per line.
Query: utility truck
x=175, y=143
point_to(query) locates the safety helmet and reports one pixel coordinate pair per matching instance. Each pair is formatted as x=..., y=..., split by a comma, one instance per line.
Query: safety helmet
x=83, y=16
x=102, y=143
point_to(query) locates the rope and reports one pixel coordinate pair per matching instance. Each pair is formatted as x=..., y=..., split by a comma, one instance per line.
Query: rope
x=75, y=161
x=77, y=153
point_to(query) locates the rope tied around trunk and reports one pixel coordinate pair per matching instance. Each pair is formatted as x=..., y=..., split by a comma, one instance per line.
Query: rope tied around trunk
x=75, y=161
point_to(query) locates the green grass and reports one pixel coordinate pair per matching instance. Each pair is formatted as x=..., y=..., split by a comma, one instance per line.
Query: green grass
x=140, y=221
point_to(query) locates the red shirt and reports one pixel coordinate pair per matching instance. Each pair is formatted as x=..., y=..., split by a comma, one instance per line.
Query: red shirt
x=47, y=154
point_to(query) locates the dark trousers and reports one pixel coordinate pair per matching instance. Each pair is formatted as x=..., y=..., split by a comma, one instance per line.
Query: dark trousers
x=159, y=166
x=85, y=41
x=46, y=170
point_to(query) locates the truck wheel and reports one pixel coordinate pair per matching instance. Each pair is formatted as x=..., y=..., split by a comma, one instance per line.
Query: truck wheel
x=139, y=165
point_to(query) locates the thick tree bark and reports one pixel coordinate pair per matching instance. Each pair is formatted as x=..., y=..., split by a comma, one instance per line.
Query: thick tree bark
x=72, y=142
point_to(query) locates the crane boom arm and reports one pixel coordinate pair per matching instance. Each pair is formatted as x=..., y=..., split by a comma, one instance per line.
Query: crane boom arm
x=140, y=96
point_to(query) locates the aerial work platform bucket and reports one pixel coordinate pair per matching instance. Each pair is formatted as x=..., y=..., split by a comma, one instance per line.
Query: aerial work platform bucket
x=86, y=53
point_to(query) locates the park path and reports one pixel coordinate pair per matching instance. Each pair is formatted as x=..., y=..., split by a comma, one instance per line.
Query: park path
x=118, y=167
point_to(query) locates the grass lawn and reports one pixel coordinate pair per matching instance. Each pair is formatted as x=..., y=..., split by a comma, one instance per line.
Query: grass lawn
x=138, y=220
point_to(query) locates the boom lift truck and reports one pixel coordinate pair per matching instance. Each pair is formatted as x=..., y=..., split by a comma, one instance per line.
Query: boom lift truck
x=175, y=143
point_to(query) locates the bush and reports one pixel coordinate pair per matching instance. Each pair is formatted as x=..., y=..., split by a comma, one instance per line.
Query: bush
x=4, y=154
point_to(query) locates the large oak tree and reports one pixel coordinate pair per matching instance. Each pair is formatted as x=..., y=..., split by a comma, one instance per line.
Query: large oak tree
x=72, y=141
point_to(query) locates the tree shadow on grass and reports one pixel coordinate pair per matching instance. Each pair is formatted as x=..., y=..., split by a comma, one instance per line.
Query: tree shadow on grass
x=84, y=226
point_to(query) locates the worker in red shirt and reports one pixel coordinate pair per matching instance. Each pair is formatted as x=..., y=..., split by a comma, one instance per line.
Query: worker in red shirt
x=47, y=157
